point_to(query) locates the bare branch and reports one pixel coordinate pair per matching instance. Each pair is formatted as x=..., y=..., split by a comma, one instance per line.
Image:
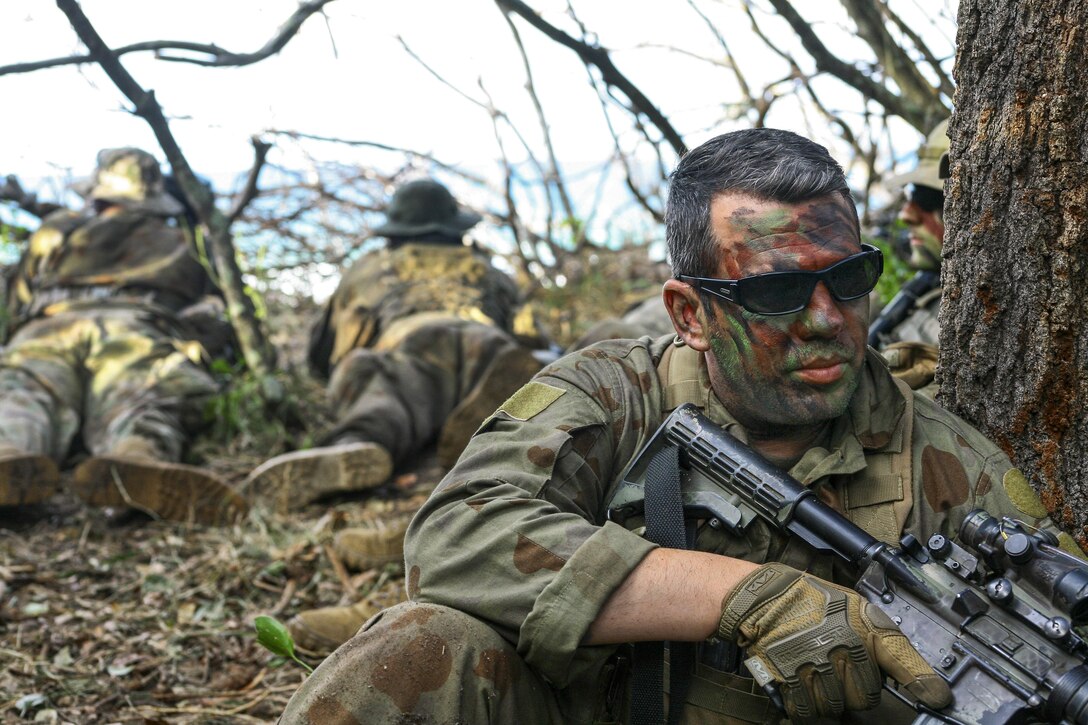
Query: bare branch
x=496, y=115
x=218, y=57
x=598, y=56
x=12, y=190
x=249, y=191
x=913, y=113
x=731, y=61
x=383, y=147
x=914, y=88
x=944, y=83
x=621, y=156
x=554, y=175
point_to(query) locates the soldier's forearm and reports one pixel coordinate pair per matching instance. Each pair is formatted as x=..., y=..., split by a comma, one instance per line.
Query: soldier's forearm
x=671, y=595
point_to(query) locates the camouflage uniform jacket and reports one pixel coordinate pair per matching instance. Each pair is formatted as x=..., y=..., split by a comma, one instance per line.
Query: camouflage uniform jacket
x=921, y=324
x=76, y=261
x=516, y=534
x=391, y=284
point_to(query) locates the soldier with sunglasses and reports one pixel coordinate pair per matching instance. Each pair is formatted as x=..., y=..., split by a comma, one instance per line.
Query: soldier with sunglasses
x=907, y=330
x=524, y=597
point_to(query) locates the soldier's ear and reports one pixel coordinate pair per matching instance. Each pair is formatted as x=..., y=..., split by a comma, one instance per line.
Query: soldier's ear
x=688, y=314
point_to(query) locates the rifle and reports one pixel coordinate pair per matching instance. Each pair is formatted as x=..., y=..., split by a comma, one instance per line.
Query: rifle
x=901, y=305
x=993, y=613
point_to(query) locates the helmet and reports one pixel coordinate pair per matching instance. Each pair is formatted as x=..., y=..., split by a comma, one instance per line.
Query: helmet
x=425, y=207
x=932, y=168
x=131, y=178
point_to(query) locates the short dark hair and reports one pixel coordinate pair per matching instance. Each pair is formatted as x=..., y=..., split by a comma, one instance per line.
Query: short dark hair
x=766, y=163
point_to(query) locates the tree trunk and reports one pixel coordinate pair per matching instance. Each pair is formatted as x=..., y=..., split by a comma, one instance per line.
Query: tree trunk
x=1014, y=340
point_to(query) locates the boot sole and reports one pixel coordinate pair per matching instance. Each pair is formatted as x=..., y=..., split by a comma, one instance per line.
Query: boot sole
x=289, y=482
x=27, y=479
x=173, y=492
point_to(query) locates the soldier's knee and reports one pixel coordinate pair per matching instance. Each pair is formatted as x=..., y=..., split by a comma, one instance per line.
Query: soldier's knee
x=417, y=659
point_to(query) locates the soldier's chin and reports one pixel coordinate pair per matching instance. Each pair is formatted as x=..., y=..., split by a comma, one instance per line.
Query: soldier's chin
x=829, y=404
x=812, y=410
x=921, y=258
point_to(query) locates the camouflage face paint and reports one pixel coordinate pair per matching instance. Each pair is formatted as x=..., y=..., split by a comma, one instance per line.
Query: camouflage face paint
x=774, y=230
x=786, y=370
x=926, y=236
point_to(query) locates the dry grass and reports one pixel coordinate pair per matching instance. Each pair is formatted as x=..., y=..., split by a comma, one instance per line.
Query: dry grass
x=150, y=621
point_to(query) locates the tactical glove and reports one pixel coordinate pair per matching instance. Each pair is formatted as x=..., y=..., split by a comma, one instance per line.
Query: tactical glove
x=822, y=644
x=915, y=363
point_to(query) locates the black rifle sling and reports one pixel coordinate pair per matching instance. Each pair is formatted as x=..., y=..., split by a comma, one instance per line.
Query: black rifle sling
x=664, y=512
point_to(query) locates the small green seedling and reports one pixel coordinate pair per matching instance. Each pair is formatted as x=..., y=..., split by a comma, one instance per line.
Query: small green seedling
x=274, y=637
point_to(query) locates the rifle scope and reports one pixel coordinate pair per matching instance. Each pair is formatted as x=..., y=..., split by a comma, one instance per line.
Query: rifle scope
x=1007, y=545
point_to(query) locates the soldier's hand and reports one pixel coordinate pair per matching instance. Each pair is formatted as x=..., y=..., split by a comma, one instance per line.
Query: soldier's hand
x=823, y=644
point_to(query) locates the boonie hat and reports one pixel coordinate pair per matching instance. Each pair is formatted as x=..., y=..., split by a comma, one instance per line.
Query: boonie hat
x=425, y=207
x=131, y=178
x=932, y=169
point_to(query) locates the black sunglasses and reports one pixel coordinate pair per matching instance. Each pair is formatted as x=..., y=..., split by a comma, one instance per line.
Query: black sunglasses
x=782, y=293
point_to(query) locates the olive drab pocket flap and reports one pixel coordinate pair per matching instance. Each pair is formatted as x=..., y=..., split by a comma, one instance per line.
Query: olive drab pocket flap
x=874, y=490
x=871, y=504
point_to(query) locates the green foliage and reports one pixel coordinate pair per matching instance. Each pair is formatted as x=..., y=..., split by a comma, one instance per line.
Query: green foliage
x=896, y=271
x=239, y=411
x=274, y=637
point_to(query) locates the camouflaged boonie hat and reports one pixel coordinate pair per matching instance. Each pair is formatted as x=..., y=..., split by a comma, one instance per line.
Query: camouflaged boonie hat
x=932, y=169
x=131, y=178
x=425, y=207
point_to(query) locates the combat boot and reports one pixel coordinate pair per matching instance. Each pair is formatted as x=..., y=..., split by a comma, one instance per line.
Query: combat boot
x=26, y=478
x=130, y=476
x=287, y=483
x=503, y=377
x=362, y=548
x=323, y=630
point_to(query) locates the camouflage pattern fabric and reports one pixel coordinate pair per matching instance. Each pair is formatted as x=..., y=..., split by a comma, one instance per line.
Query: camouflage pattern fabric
x=412, y=333
x=433, y=659
x=95, y=343
x=390, y=284
x=112, y=372
x=516, y=535
x=75, y=260
x=921, y=324
x=401, y=392
x=911, y=349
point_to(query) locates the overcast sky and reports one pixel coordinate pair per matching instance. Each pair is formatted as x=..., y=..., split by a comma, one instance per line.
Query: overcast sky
x=348, y=76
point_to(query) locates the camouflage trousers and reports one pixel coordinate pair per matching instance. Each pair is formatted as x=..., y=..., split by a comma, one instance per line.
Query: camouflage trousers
x=420, y=382
x=108, y=372
x=431, y=665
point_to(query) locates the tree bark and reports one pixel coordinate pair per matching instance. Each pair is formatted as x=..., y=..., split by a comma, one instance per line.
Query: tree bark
x=1014, y=343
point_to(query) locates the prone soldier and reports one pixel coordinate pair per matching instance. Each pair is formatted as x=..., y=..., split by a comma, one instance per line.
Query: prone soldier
x=97, y=353
x=418, y=343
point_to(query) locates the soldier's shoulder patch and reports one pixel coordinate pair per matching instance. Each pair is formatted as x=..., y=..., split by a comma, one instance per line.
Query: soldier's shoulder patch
x=530, y=400
x=1022, y=495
